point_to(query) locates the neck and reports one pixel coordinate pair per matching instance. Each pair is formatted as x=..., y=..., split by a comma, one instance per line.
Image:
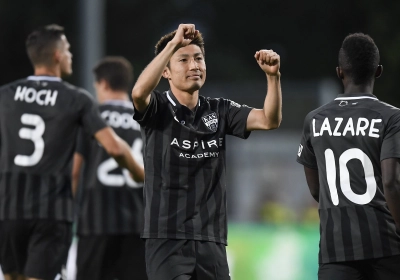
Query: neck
x=112, y=95
x=187, y=99
x=47, y=71
x=350, y=87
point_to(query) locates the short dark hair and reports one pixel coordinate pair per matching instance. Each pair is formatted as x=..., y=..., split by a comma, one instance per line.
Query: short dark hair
x=42, y=42
x=116, y=70
x=198, y=41
x=359, y=58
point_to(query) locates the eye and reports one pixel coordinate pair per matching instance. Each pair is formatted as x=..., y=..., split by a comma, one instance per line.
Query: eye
x=182, y=60
x=199, y=58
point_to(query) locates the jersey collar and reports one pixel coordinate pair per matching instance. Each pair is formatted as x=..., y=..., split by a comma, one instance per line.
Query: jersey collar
x=117, y=102
x=44, y=78
x=355, y=96
x=172, y=99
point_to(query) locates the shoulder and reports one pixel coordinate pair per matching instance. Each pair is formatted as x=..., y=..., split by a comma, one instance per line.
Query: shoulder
x=12, y=85
x=317, y=111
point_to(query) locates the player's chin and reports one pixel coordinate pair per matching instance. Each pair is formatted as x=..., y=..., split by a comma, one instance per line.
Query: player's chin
x=196, y=85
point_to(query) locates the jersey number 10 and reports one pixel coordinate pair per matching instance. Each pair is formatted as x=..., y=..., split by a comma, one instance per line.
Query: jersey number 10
x=344, y=176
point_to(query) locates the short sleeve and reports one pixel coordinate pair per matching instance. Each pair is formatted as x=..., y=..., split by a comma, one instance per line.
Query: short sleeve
x=83, y=143
x=144, y=118
x=391, y=141
x=91, y=120
x=305, y=154
x=237, y=119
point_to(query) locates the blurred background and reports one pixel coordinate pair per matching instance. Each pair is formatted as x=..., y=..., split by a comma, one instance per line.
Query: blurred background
x=273, y=221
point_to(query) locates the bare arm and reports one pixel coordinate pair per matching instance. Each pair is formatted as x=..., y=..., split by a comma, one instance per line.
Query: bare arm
x=152, y=74
x=76, y=172
x=120, y=151
x=271, y=115
x=312, y=178
x=391, y=186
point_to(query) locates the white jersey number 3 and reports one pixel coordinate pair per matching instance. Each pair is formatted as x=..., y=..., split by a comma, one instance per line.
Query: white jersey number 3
x=119, y=180
x=34, y=135
x=344, y=176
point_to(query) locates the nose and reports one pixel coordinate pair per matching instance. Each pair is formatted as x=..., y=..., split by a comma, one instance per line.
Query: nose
x=193, y=64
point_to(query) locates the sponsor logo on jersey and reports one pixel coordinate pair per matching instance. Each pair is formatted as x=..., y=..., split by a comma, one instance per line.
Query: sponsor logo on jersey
x=343, y=103
x=192, y=146
x=211, y=121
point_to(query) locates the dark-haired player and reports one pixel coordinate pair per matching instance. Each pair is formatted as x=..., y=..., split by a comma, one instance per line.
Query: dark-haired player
x=184, y=134
x=39, y=120
x=350, y=150
x=111, y=203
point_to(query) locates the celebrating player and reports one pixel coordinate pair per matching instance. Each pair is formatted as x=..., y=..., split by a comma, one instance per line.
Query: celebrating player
x=184, y=134
x=350, y=150
x=111, y=203
x=39, y=120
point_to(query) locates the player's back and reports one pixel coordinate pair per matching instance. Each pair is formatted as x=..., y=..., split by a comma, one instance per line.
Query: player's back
x=108, y=190
x=39, y=120
x=349, y=137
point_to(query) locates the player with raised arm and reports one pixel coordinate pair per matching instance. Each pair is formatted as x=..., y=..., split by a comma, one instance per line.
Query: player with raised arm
x=110, y=215
x=184, y=134
x=350, y=150
x=39, y=120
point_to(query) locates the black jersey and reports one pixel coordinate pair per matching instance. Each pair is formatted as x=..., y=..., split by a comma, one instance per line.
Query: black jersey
x=39, y=121
x=111, y=201
x=184, y=156
x=346, y=140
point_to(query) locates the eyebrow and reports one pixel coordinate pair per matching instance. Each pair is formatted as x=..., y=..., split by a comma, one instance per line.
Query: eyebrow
x=187, y=55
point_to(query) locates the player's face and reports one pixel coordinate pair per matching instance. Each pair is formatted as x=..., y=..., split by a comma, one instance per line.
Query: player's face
x=187, y=69
x=65, y=57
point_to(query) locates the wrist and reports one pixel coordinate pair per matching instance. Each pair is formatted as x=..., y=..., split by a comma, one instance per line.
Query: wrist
x=275, y=76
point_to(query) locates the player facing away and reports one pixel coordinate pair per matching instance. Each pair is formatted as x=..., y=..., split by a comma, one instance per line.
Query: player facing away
x=110, y=215
x=184, y=133
x=350, y=150
x=39, y=120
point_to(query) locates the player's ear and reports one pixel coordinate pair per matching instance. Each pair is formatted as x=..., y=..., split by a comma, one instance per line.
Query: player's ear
x=57, y=55
x=339, y=73
x=166, y=73
x=379, y=71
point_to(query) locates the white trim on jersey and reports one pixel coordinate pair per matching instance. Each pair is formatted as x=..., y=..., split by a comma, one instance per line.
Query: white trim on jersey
x=357, y=97
x=123, y=103
x=44, y=78
x=170, y=99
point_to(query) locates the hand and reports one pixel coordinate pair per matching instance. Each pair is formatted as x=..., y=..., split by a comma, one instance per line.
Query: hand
x=184, y=35
x=269, y=62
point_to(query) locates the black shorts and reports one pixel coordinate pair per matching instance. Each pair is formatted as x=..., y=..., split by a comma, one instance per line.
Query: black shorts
x=107, y=257
x=387, y=268
x=168, y=259
x=34, y=248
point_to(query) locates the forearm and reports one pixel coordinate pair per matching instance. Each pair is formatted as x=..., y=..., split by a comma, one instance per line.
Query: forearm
x=273, y=101
x=150, y=77
x=392, y=195
x=391, y=186
x=126, y=160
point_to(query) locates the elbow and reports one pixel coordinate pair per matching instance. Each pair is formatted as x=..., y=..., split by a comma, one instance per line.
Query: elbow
x=115, y=151
x=274, y=124
x=390, y=183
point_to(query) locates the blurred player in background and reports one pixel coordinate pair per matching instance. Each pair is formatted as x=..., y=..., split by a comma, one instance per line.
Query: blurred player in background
x=350, y=150
x=184, y=134
x=111, y=203
x=39, y=120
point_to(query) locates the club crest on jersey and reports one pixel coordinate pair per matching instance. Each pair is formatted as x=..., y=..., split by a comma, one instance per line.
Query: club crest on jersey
x=211, y=121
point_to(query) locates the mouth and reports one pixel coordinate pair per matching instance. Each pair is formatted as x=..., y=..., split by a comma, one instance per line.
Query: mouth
x=195, y=76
